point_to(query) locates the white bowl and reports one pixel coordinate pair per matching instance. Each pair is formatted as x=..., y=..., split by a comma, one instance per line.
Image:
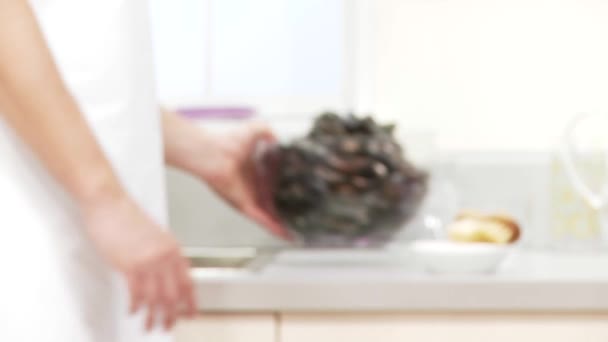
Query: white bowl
x=441, y=256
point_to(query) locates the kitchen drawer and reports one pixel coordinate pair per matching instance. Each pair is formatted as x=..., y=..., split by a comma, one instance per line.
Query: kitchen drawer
x=227, y=328
x=444, y=328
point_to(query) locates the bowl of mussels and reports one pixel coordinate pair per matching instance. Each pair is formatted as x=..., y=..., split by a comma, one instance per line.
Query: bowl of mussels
x=347, y=182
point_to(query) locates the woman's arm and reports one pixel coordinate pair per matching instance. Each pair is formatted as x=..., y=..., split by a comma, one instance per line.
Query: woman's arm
x=36, y=104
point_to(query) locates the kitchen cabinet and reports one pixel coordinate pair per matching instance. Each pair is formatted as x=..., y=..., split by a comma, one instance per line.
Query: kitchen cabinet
x=444, y=328
x=227, y=328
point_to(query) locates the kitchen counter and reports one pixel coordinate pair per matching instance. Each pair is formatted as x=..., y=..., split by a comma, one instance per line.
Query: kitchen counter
x=383, y=281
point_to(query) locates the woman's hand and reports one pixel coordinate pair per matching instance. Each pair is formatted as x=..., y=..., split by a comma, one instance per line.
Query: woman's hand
x=229, y=169
x=149, y=257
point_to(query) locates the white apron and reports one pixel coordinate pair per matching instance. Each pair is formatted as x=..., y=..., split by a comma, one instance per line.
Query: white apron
x=53, y=285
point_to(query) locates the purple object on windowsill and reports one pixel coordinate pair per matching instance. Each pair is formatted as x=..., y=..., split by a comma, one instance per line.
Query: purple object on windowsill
x=235, y=113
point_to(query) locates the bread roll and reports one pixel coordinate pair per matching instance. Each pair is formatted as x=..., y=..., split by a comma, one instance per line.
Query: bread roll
x=471, y=226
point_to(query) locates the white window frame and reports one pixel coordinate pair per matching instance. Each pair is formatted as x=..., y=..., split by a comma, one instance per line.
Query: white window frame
x=357, y=92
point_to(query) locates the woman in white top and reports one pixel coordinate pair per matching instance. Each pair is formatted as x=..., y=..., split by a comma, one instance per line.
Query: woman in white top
x=82, y=198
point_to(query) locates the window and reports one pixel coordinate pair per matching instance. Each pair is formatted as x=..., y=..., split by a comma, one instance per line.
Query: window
x=283, y=57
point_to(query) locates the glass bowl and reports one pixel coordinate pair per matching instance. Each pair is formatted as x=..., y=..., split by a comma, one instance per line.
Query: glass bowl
x=341, y=190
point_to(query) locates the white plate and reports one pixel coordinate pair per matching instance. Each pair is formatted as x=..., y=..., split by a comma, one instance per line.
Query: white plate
x=440, y=256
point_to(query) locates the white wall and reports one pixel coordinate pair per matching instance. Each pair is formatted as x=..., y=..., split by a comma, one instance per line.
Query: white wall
x=491, y=73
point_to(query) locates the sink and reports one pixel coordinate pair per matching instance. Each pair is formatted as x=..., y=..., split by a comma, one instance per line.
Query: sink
x=234, y=259
x=210, y=260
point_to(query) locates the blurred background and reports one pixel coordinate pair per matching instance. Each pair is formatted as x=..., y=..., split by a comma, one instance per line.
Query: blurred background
x=481, y=90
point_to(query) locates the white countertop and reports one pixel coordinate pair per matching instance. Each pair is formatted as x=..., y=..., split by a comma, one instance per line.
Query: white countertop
x=380, y=281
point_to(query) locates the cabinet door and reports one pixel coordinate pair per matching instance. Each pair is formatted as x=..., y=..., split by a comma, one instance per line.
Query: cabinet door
x=227, y=328
x=444, y=328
